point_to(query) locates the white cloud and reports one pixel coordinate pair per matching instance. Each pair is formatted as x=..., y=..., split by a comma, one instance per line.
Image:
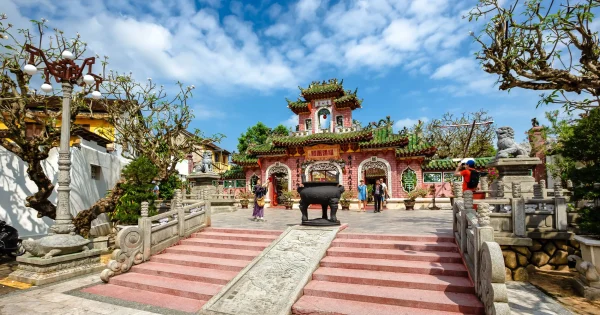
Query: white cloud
x=306, y=9
x=291, y=122
x=204, y=112
x=408, y=123
x=277, y=30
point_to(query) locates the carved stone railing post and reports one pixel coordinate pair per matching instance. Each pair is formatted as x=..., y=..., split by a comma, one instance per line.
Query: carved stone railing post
x=180, y=213
x=490, y=285
x=537, y=191
x=145, y=226
x=544, y=188
x=468, y=199
x=560, y=208
x=483, y=183
x=483, y=232
x=457, y=190
x=499, y=189
x=207, y=213
x=517, y=204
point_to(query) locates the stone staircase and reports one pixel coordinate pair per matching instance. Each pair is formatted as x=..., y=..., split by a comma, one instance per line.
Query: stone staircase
x=187, y=275
x=381, y=274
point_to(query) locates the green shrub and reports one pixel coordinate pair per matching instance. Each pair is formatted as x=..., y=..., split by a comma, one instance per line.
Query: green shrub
x=138, y=188
x=167, y=188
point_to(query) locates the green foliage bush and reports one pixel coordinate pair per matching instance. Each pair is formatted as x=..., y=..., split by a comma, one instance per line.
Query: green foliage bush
x=167, y=188
x=138, y=188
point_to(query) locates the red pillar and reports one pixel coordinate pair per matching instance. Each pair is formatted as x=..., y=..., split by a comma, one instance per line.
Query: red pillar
x=538, y=145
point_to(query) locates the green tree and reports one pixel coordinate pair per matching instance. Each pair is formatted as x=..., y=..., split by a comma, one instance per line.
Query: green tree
x=450, y=141
x=138, y=186
x=258, y=134
x=541, y=45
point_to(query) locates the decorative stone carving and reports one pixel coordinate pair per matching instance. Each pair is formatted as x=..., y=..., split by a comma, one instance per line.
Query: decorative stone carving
x=558, y=190
x=543, y=183
x=483, y=214
x=374, y=164
x=277, y=169
x=483, y=182
x=130, y=243
x=144, y=211
x=507, y=147
x=457, y=189
x=323, y=167
x=468, y=197
x=516, y=190
x=491, y=287
x=499, y=189
x=537, y=191
x=272, y=283
x=206, y=164
x=55, y=245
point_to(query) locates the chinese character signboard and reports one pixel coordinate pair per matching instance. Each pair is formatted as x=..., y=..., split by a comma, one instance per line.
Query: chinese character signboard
x=323, y=152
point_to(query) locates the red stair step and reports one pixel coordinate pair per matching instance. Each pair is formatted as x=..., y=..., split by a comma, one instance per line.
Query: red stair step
x=201, y=262
x=404, y=266
x=260, y=246
x=243, y=231
x=448, y=238
x=214, y=276
x=391, y=244
x=395, y=254
x=393, y=279
x=147, y=297
x=176, y=287
x=315, y=305
x=235, y=237
x=424, y=299
x=217, y=252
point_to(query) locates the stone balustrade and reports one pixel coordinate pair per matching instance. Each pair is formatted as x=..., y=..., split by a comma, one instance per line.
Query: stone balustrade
x=482, y=255
x=301, y=133
x=135, y=244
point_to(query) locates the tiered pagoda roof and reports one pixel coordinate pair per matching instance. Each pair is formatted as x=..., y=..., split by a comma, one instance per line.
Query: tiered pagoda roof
x=374, y=138
x=325, y=89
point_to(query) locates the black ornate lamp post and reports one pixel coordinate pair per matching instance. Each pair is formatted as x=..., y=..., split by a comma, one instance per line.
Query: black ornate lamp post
x=68, y=73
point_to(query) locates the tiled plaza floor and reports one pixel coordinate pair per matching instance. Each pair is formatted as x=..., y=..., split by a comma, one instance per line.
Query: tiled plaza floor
x=62, y=298
x=386, y=222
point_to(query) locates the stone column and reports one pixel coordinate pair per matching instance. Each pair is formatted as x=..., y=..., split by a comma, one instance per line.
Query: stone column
x=63, y=223
x=468, y=200
x=544, y=188
x=483, y=233
x=180, y=213
x=457, y=190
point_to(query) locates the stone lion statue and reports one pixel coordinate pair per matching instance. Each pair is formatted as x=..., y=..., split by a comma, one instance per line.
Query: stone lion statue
x=207, y=163
x=507, y=147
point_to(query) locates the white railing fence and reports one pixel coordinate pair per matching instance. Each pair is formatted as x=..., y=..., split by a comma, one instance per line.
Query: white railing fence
x=135, y=244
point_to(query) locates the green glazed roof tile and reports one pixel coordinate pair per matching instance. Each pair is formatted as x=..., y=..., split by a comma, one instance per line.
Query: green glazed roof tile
x=298, y=106
x=448, y=164
x=244, y=160
x=416, y=148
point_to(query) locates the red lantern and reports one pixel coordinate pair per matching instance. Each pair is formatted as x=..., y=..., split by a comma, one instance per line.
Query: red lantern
x=324, y=116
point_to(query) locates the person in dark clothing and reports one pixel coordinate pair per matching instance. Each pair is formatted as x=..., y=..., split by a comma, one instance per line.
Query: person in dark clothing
x=378, y=193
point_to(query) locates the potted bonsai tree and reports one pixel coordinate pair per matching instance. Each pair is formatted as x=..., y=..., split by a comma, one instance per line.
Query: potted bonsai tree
x=345, y=200
x=244, y=198
x=418, y=192
x=288, y=201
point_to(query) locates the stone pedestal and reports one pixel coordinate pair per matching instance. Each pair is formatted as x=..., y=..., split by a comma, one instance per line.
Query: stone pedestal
x=590, y=292
x=203, y=184
x=516, y=170
x=39, y=271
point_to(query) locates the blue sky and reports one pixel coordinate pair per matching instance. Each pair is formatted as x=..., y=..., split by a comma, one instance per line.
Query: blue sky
x=410, y=59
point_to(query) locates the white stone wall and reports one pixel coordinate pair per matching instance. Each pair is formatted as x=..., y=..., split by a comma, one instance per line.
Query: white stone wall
x=15, y=186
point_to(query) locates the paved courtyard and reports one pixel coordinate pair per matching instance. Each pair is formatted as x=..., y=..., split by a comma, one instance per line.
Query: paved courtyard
x=386, y=222
x=66, y=299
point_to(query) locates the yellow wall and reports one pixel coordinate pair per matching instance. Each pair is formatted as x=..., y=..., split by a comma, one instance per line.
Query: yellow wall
x=98, y=126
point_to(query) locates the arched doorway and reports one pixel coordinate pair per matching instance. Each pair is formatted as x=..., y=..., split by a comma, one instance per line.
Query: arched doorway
x=280, y=177
x=373, y=169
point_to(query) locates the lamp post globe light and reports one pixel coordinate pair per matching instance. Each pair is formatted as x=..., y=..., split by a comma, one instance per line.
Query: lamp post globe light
x=66, y=72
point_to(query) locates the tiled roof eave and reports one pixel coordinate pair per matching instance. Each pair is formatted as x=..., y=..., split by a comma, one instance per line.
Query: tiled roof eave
x=309, y=96
x=388, y=144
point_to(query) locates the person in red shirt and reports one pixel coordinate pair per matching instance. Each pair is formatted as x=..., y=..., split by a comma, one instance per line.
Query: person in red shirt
x=464, y=170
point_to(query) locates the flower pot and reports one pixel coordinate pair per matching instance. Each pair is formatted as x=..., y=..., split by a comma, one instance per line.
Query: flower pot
x=590, y=249
x=409, y=204
x=288, y=205
x=244, y=203
x=345, y=205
